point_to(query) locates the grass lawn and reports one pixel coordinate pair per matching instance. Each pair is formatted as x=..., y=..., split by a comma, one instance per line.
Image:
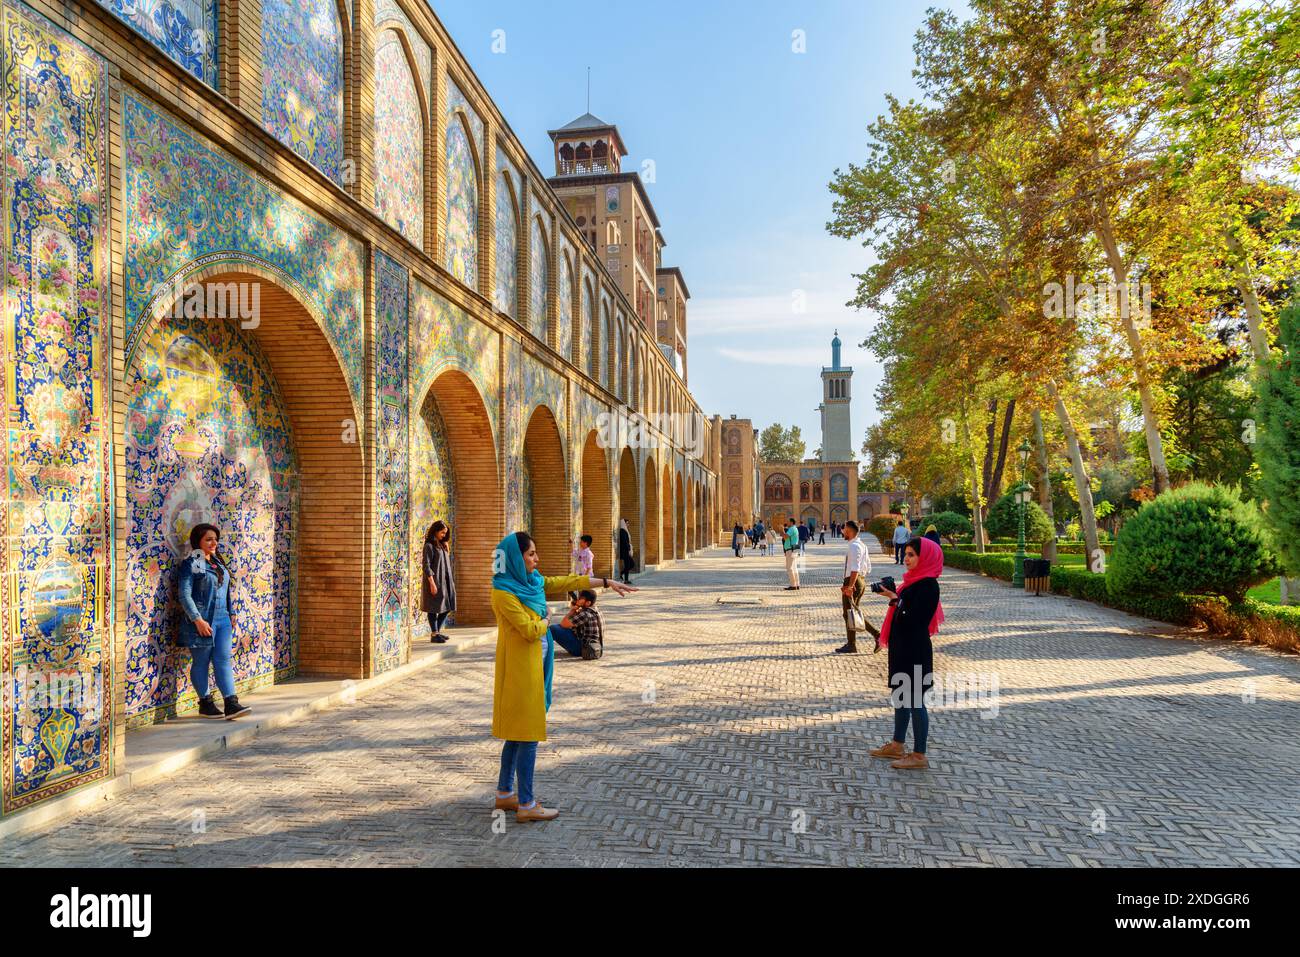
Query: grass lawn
x=1270, y=592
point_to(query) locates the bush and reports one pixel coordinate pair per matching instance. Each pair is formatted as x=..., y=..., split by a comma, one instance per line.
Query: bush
x=882, y=526
x=995, y=566
x=1081, y=583
x=1199, y=540
x=1003, y=517
x=950, y=525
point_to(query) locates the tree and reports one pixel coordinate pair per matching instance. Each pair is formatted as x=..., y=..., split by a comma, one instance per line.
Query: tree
x=779, y=444
x=1004, y=519
x=1279, y=442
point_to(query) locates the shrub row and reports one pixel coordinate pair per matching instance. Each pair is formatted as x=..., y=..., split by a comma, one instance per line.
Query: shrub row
x=1277, y=626
x=1033, y=548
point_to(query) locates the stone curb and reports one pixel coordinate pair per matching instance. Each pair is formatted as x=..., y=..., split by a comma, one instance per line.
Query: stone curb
x=49, y=812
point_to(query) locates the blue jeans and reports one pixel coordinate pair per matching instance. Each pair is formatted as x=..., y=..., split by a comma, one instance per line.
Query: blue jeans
x=566, y=639
x=216, y=653
x=920, y=726
x=518, y=758
x=898, y=553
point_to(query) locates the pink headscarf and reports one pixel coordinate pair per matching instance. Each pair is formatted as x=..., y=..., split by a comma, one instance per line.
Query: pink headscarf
x=929, y=565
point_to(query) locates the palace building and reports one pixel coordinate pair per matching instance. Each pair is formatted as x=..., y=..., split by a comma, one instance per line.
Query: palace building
x=283, y=266
x=823, y=489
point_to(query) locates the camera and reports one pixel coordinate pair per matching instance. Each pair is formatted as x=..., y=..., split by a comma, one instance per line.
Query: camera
x=885, y=583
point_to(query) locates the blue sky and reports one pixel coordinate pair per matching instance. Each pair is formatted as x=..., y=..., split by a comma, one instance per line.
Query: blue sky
x=744, y=135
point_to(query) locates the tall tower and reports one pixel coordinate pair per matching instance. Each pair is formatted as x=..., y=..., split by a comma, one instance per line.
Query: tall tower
x=837, y=395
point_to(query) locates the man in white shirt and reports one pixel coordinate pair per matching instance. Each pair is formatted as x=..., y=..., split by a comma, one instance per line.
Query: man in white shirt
x=857, y=566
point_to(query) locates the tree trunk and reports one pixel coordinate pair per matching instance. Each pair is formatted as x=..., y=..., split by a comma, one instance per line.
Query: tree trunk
x=1246, y=286
x=977, y=519
x=1087, y=517
x=990, y=439
x=1290, y=590
x=995, y=489
x=1045, y=484
x=1150, y=424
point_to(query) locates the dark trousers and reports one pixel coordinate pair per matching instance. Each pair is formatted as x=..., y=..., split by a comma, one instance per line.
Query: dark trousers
x=920, y=726
x=859, y=587
x=898, y=554
x=438, y=620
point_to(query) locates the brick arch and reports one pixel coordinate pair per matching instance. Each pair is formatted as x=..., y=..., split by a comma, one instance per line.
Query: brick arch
x=331, y=596
x=629, y=499
x=653, y=516
x=550, y=489
x=699, y=516
x=597, y=504
x=679, y=545
x=476, y=526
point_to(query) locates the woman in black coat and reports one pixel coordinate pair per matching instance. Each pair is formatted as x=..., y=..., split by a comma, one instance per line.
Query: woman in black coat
x=627, y=560
x=737, y=539
x=915, y=614
x=438, y=589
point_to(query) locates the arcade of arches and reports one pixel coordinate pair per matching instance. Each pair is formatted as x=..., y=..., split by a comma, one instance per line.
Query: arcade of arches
x=190, y=338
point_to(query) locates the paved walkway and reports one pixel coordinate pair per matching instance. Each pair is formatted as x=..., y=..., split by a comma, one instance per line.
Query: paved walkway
x=726, y=734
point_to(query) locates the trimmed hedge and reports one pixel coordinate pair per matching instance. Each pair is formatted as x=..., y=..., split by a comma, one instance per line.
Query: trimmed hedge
x=1277, y=626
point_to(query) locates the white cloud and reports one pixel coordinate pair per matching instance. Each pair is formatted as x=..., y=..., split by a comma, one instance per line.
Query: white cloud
x=811, y=315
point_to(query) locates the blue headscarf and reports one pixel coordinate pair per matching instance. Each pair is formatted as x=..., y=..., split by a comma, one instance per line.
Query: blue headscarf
x=531, y=592
x=529, y=589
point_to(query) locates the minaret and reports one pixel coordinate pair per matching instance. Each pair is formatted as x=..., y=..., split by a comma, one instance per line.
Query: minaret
x=837, y=395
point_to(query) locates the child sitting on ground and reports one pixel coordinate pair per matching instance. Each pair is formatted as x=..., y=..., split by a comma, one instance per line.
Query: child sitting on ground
x=582, y=631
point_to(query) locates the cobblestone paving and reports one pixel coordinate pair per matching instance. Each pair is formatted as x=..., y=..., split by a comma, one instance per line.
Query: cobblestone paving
x=714, y=734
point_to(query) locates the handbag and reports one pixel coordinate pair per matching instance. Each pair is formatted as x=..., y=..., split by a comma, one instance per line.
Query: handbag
x=857, y=619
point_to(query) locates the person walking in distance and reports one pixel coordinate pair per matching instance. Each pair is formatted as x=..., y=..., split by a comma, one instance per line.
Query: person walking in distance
x=438, y=591
x=626, y=557
x=804, y=535
x=857, y=566
x=791, y=548
x=525, y=656
x=901, y=538
x=737, y=539
x=914, y=616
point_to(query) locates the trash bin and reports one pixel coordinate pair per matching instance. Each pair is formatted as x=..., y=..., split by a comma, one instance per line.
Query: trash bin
x=1038, y=575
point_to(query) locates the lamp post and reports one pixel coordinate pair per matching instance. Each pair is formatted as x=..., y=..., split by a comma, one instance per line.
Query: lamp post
x=1022, y=501
x=903, y=510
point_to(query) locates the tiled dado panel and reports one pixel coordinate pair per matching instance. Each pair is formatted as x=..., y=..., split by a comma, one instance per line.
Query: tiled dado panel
x=392, y=467
x=55, y=557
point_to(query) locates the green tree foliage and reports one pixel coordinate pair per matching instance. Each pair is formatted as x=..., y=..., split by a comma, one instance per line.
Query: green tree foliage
x=1003, y=518
x=1198, y=540
x=1279, y=440
x=952, y=502
x=779, y=444
x=949, y=525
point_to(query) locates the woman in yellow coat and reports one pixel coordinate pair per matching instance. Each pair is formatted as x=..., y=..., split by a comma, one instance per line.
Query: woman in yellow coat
x=525, y=652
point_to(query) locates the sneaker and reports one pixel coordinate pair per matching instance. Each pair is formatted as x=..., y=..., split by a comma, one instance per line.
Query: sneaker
x=234, y=709
x=209, y=710
x=847, y=650
x=911, y=762
x=535, y=813
x=893, y=749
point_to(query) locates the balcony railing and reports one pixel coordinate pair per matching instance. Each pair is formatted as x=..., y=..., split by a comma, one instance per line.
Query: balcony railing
x=586, y=167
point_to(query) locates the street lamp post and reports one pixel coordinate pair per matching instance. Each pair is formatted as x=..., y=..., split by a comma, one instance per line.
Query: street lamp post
x=1022, y=502
x=903, y=510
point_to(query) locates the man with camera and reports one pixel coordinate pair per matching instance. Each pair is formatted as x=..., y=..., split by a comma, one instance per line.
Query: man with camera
x=857, y=566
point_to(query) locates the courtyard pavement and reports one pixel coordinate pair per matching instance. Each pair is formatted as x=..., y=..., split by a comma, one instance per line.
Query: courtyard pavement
x=728, y=734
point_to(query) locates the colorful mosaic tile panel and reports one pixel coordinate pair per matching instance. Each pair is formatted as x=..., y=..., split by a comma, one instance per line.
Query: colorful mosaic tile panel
x=392, y=468
x=564, y=337
x=589, y=330
x=56, y=658
x=191, y=205
x=186, y=30
x=302, y=80
x=444, y=336
x=538, y=279
x=516, y=423
x=433, y=497
x=388, y=13
x=399, y=141
x=461, y=242
x=506, y=293
x=457, y=102
x=207, y=439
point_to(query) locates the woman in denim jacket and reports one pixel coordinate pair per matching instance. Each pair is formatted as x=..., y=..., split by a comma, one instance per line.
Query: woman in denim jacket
x=206, y=627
